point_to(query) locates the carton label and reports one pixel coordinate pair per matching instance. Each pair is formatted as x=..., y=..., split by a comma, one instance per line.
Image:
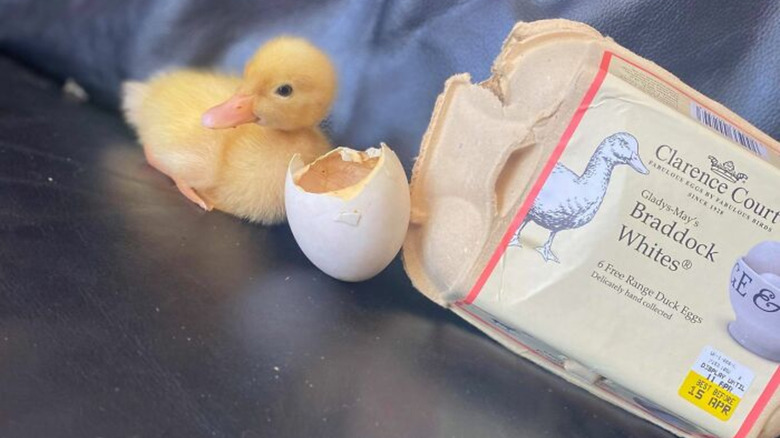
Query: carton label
x=622, y=257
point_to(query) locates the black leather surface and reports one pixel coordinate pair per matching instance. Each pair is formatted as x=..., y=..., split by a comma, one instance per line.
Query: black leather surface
x=127, y=312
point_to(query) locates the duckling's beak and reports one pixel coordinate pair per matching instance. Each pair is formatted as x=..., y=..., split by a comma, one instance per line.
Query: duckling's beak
x=637, y=164
x=233, y=112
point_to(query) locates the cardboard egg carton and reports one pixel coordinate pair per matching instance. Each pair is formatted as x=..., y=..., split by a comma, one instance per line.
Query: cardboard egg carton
x=570, y=208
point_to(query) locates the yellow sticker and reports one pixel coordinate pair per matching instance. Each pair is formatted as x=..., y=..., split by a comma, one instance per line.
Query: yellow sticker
x=708, y=396
x=716, y=383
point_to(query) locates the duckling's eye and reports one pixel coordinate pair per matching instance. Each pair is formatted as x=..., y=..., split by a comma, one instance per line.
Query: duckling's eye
x=284, y=90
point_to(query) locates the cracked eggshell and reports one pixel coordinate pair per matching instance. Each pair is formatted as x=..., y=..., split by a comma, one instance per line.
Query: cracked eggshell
x=349, y=210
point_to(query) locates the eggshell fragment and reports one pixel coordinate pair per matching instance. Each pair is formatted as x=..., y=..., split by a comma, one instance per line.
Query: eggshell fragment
x=349, y=210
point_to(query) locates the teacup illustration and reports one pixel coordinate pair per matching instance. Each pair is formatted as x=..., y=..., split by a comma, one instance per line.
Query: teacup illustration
x=755, y=297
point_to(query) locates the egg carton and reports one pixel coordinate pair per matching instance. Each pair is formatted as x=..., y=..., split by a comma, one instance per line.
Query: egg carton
x=589, y=211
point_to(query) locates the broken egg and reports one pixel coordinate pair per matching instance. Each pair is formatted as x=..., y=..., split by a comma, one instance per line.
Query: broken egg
x=349, y=210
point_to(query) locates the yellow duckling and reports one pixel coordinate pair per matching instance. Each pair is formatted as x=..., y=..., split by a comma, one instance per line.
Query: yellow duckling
x=276, y=107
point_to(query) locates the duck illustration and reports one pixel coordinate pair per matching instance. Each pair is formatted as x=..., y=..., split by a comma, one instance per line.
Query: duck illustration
x=569, y=201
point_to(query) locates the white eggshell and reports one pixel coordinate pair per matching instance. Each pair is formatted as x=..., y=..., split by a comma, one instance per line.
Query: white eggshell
x=765, y=257
x=351, y=234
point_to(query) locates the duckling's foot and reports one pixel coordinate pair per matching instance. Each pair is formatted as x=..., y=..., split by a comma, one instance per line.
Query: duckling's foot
x=547, y=254
x=193, y=196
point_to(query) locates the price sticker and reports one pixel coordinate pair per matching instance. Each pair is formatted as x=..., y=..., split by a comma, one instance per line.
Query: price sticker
x=716, y=383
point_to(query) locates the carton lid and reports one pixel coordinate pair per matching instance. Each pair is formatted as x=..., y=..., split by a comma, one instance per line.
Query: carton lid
x=487, y=144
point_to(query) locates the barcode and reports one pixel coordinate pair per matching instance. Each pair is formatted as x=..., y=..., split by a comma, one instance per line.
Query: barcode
x=727, y=129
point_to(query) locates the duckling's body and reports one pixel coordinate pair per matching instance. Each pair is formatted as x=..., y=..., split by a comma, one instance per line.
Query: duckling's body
x=250, y=183
x=240, y=170
x=166, y=113
x=568, y=201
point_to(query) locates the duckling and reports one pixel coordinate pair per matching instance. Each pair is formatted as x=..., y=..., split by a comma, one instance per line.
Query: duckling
x=569, y=201
x=275, y=110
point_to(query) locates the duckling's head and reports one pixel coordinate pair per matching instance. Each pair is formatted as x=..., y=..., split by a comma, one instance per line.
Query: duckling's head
x=288, y=84
x=623, y=148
